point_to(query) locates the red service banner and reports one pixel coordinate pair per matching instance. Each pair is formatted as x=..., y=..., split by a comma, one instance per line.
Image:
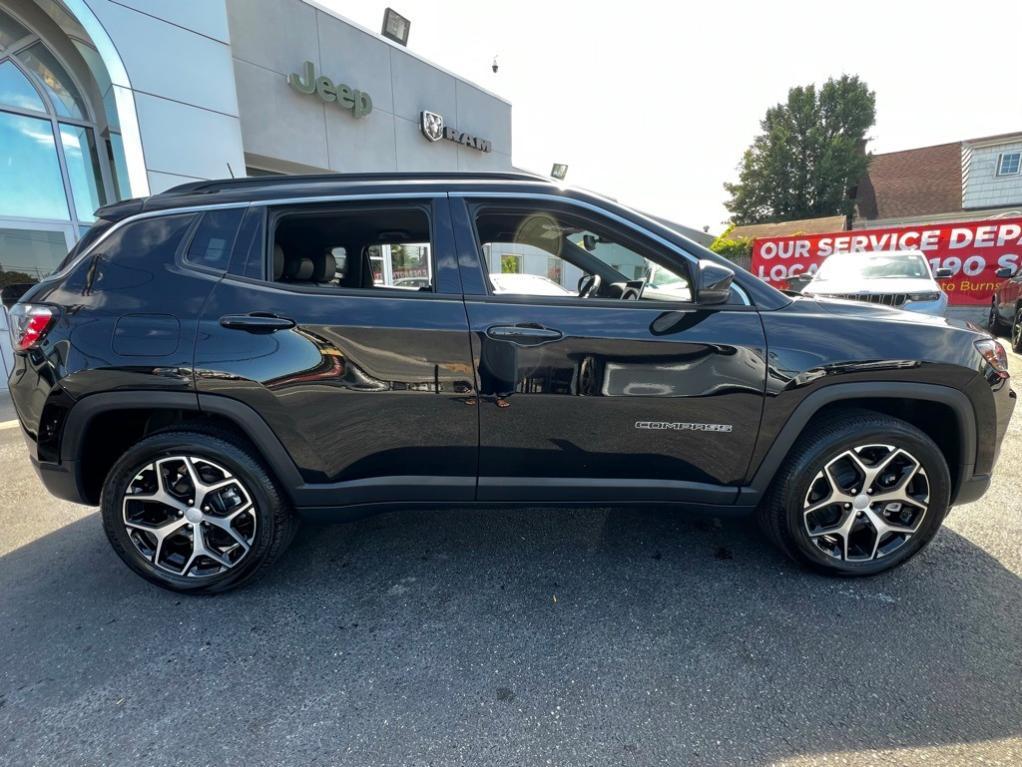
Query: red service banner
x=973, y=251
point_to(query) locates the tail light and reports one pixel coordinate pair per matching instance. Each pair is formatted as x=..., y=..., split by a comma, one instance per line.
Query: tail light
x=29, y=324
x=995, y=356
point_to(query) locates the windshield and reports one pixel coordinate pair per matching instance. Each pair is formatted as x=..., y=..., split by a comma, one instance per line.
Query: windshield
x=874, y=266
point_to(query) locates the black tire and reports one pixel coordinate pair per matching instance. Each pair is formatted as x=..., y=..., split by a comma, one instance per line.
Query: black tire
x=273, y=523
x=782, y=517
x=1016, y=332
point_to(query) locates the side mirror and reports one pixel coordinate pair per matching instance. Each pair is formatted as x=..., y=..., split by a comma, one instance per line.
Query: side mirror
x=589, y=242
x=713, y=282
x=11, y=294
x=943, y=273
x=1005, y=272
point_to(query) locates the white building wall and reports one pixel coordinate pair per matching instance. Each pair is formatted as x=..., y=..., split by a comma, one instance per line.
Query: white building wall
x=178, y=58
x=291, y=131
x=209, y=80
x=981, y=186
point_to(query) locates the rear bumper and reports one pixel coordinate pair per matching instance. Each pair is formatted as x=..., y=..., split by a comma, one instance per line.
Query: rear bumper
x=60, y=479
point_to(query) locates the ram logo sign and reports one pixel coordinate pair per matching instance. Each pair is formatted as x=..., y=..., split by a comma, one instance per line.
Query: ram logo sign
x=432, y=125
x=434, y=128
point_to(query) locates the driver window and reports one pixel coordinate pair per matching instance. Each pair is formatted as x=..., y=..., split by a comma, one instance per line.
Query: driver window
x=542, y=252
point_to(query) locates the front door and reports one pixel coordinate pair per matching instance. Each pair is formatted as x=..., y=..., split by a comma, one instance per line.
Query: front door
x=347, y=334
x=600, y=378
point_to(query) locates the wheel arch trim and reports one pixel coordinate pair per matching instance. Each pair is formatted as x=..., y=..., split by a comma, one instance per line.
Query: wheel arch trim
x=241, y=415
x=800, y=419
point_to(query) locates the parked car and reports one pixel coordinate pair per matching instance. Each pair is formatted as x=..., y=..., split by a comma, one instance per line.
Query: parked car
x=1006, y=306
x=206, y=398
x=412, y=283
x=526, y=284
x=900, y=278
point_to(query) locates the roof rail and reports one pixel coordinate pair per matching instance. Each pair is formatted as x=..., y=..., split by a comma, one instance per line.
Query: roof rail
x=217, y=185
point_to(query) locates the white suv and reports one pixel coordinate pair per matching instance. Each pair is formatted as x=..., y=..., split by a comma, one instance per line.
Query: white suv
x=899, y=278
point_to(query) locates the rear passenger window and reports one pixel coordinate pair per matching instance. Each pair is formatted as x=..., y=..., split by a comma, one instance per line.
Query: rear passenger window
x=362, y=248
x=214, y=238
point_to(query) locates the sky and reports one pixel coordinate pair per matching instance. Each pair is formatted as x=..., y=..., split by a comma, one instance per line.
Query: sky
x=653, y=103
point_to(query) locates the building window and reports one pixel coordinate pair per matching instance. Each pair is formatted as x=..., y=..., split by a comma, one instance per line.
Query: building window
x=31, y=185
x=60, y=157
x=1008, y=163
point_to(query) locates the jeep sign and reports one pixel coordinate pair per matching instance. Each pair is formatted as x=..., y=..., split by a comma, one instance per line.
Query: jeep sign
x=358, y=102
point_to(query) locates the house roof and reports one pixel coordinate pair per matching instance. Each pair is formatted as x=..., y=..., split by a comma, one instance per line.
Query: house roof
x=786, y=228
x=1000, y=138
x=915, y=182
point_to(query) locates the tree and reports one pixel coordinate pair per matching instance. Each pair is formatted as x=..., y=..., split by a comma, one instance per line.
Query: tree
x=15, y=278
x=737, y=249
x=811, y=150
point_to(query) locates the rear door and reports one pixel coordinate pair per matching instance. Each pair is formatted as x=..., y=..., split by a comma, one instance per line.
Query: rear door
x=627, y=391
x=342, y=326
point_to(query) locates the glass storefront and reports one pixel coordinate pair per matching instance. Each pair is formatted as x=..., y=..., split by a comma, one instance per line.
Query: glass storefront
x=28, y=254
x=60, y=158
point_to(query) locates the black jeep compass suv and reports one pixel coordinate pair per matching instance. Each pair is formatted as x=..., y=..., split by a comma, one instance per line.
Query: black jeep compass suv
x=212, y=362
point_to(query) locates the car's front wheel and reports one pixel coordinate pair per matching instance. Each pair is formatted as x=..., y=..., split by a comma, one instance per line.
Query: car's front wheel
x=859, y=494
x=1016, y=332
x=194, y=512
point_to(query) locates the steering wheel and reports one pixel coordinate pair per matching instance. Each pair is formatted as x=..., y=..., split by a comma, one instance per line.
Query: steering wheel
x=632, y=293
x=589, y=285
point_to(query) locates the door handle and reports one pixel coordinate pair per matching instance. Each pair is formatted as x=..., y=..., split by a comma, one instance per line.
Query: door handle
x=525, y=333
x=256, y=322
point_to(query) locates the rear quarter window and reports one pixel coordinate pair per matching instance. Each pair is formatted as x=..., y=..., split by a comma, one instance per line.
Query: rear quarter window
x=130, y=256
x=214, y=238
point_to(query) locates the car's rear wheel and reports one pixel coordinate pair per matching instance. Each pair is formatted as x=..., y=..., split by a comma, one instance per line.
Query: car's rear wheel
x=194, y=512
x=1016, y=332
x=859, y=494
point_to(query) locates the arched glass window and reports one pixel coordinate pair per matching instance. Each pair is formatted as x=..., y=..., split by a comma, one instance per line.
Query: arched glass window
x=59, y=161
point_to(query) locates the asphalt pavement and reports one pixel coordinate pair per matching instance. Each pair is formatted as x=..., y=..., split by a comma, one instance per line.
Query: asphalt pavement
x=7, y=412
x=533, y=637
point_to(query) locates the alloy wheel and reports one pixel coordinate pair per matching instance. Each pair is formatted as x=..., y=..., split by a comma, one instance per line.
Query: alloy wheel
x=1016, y=332
x=189, y=516
x=866, y=503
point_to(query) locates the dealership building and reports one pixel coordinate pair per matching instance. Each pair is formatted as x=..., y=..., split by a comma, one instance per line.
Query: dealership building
x=101, y=100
